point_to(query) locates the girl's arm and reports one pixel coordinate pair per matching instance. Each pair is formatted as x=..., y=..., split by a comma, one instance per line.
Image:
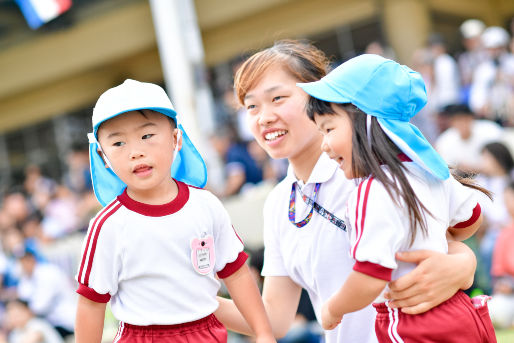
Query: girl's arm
x=358, y=291
x=280, y=296
x=460, y=234
x=89, y=323
x=437, y=277
x=243, y=289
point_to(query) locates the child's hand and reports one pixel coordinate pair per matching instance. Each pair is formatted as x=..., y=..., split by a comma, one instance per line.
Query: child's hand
x=328, y=320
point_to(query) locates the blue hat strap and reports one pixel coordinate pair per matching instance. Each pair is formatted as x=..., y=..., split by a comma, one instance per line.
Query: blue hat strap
x=92, y=140
x=368, y=128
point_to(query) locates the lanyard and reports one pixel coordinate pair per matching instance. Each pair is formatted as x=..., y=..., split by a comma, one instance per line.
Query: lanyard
x=292, y=201
x=320, y=209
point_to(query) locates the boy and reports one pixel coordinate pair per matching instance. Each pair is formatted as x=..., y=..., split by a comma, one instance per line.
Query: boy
x=154, y=249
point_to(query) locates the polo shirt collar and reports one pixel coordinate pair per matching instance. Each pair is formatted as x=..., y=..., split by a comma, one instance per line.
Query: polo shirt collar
x=322, y=172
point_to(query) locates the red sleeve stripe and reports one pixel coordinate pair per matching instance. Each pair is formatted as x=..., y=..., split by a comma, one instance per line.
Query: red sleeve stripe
x=92, y=295
x=363, y=216
x=239, y=237
x=474, y=217
x=90, y=248
x=373, y=269
x=232, y=267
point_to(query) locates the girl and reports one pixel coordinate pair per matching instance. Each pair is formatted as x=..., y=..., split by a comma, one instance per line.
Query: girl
x=302, y=247
x=406, y=198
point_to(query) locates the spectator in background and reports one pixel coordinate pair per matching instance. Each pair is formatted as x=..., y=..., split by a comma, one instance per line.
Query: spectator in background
x=48, y=292
x=77, y=178
x=492, y=90
x=445, y=86
x=495, y=174
x=461, y=144
x=426, y=120
x=24, y=327
x=501, y=306
x=241, y=169
x=474, y=54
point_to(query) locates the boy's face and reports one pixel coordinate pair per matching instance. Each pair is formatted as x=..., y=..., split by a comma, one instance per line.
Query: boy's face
x=337, y=138
x=140, y=150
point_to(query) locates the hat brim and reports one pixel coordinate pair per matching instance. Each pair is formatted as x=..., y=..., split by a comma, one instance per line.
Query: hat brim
x=412, y=142
x=323, y=91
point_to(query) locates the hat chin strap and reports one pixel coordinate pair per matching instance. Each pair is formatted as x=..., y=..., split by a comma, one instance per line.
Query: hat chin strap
x=368, y=128
x=175, y=151
x=92, y=139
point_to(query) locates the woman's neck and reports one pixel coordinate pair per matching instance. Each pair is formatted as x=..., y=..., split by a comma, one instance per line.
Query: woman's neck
x=304, y=163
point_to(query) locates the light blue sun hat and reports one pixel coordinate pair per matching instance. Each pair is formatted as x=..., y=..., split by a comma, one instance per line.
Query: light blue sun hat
x=392, y=93
x=188, y=166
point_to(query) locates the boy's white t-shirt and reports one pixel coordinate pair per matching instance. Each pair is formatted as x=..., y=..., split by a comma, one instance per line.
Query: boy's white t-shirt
x=315, y=256
x=379, y=227
x=140, y=257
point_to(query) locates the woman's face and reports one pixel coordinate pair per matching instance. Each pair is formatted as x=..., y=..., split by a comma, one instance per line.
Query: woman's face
x=277, y=117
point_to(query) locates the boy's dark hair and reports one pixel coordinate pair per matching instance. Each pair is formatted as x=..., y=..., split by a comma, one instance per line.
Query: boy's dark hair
x=367, y=160
x=171, y=120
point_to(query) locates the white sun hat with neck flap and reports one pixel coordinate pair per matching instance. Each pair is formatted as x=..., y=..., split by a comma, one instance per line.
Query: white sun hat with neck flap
x=188, y=166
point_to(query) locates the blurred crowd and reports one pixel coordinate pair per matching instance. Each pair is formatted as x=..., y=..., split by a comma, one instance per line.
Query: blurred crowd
x=469, y=119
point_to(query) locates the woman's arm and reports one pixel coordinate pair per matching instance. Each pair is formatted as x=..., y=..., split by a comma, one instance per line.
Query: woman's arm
x=89, y=323
x=358, y=291
x=280, y=296
x=437, y=277
x=244, y=291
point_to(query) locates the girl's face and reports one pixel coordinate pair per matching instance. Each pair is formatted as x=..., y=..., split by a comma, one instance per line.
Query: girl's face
x=337, y=130
x=277, y=117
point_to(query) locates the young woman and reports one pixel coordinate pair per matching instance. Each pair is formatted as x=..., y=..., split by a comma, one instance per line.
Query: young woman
x=306, y=245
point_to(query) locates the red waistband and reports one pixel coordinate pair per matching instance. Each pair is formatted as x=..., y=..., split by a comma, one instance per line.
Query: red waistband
x=200, y=322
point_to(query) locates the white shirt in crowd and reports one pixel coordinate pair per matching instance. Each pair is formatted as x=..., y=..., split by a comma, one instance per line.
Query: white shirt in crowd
x=455, y=150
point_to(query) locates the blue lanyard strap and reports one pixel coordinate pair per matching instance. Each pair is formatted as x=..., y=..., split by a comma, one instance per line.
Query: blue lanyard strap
x=322, y=211
x=292, y=207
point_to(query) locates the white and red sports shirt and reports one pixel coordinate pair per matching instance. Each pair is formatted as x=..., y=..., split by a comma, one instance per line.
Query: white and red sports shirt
x=379, y=227
x=139, y=257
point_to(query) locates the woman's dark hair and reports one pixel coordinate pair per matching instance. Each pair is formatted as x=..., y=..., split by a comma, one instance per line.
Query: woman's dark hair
x=501, y=154
x=367, y=160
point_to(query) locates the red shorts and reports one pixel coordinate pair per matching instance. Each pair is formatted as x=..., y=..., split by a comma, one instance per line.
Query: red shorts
x=208, y=329
x=456, y=320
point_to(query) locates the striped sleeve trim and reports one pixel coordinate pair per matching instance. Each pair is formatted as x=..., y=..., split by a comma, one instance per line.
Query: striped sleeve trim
x=360, y=216
x=232, y=267
x=373, y=269
x=474, y=217
x=89, y=250
x=92, y=295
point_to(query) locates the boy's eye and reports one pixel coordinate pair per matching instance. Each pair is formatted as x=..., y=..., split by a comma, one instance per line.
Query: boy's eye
x=250, y=107
x=277, y=98
x=117, y=144
x=149, y=135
